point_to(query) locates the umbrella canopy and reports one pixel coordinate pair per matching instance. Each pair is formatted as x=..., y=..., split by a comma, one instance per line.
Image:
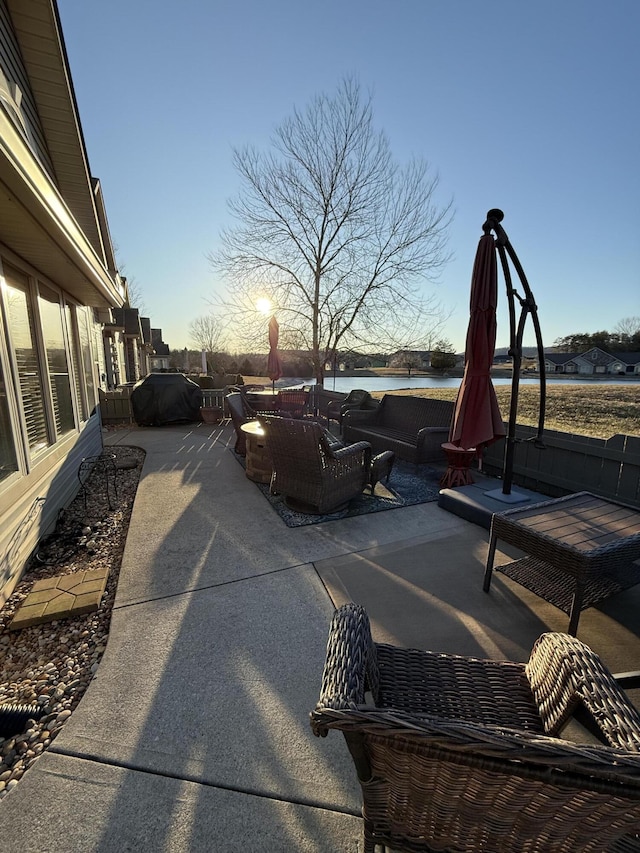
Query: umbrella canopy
x=274, y=365
x=477, y=421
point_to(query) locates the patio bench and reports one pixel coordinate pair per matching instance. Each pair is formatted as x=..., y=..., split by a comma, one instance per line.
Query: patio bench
x=413, y=427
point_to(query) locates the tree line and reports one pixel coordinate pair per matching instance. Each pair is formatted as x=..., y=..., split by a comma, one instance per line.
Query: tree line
x=625, y=337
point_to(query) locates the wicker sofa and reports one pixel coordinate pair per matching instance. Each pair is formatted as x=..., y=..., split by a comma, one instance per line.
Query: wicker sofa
x=457, y=753
x=413, y=427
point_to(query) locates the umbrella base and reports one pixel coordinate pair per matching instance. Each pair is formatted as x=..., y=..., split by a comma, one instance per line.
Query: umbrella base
x=511, y=498
x=459, y=460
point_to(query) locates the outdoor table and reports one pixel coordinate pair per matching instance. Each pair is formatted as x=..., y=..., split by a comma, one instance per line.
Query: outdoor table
x=257, y=461
x=459, y=460
x=581, y=549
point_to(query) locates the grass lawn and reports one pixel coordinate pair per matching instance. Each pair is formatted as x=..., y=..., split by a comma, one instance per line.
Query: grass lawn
x=599, y=411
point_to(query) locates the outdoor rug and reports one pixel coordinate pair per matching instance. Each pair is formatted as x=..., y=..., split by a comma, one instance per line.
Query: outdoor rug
x=408, y=485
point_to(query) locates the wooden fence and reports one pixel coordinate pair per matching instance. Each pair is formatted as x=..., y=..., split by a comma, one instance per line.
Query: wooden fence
x=115, y=406
x=572, y=463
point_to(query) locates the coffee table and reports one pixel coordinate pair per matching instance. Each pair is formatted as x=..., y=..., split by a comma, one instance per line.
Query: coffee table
x=581, y=549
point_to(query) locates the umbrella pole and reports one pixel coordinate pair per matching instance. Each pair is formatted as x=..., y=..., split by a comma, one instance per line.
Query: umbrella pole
x=527, y=306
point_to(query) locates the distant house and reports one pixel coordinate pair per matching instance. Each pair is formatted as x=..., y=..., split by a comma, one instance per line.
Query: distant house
x=59, y=284
x=594, y=362
x=136, y=335
x=417, y=359
x=160, y=358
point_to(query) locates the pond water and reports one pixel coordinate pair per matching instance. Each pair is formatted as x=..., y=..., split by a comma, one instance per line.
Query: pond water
x=344, y=384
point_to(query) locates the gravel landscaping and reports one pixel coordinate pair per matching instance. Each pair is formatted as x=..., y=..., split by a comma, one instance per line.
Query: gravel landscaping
x=51, y=665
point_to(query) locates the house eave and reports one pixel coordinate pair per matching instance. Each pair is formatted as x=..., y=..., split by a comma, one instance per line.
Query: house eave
x=39, y=33
x=37, y=224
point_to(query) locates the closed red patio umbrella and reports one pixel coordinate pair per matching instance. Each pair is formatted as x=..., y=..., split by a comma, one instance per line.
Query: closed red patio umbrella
x=477, y=421
x=274, y=365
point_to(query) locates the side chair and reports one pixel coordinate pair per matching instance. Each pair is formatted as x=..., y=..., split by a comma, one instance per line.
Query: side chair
x=293, y=403
x=356, y=399
x=459, y=754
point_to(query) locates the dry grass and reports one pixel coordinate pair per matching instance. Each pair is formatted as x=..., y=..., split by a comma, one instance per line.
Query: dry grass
x=599, y=411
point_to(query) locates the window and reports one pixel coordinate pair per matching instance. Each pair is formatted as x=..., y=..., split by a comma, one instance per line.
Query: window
x=53, y=333
x=87, y=359
x=22, y=331
x=74, y=341
x=8, y=459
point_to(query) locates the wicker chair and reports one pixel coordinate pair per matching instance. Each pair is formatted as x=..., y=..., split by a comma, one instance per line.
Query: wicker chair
x=356, y=399
x=461, y=754
x=239, y=416
x=310, y=470
x=293, y=404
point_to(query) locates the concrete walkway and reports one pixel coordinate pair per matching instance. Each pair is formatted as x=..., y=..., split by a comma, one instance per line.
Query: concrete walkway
x=194, y=735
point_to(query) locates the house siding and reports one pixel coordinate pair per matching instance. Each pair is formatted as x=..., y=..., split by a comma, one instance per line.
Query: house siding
x=594, y=362
x=13, y=68
x=33, y=509
x=51, y=344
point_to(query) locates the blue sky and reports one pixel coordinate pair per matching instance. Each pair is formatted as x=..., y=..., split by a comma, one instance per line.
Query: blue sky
x=530, y=107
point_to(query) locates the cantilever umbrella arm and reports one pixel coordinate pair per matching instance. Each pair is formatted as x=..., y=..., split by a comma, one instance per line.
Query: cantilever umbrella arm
x=516, y=333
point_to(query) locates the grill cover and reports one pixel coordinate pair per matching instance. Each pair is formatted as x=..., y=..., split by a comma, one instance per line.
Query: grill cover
x=165, y=398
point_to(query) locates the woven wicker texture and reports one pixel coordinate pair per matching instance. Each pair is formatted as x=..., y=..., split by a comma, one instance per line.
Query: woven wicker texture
x=582, y=548
x=413, y=427
x=310, y=470
x=293, y=403
x=355, y=399
x=239, y=416
x=451, y=755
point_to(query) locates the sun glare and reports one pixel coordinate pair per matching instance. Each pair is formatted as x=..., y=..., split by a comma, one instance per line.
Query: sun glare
x=263, y=305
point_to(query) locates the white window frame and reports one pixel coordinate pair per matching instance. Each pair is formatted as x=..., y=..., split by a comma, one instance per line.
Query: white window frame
x=27, y=459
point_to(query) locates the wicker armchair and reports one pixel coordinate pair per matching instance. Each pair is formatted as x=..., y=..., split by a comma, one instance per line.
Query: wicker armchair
x=239, y=416
x=356, y=399
x=309, y=469
x=461, y=754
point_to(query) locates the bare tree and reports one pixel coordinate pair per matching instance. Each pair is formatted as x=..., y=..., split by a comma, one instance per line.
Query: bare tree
x=206, y=333
x=627, y=332
x=628, y=326
x=134, y=290
x=136, y=297
x=335, y=234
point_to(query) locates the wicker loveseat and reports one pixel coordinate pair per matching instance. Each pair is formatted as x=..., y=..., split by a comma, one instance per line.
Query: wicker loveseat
x=313, y=471
x=462, y=754
x=413, y=427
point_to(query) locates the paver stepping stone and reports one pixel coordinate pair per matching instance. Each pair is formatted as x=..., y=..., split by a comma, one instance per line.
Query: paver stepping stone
x=61, y=597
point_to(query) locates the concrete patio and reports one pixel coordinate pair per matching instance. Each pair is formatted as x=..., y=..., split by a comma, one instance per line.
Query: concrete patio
x=194, y=734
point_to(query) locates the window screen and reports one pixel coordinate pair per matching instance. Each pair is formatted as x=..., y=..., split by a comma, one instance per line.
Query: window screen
x=57, y=362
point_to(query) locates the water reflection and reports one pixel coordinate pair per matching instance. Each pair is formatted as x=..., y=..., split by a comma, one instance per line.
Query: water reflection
x=344, y=384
